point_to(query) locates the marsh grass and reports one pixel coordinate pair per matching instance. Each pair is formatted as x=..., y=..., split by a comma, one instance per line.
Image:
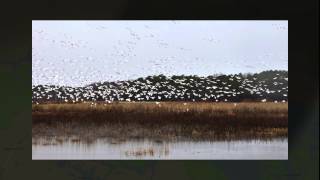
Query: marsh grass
x=165, y=120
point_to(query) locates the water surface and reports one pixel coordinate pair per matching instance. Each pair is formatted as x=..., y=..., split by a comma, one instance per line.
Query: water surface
x=147, y=149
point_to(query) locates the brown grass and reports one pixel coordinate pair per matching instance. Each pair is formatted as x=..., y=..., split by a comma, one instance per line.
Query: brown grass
x=147, y=152
x=169, y=120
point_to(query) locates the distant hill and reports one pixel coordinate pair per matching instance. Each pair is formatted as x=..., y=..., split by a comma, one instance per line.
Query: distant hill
x=264, y=86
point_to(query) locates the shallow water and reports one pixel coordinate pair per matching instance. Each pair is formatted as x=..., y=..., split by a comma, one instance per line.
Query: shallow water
x=146, y=149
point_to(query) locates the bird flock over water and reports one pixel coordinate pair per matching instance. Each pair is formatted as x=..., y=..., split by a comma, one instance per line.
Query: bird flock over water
x=267, y=86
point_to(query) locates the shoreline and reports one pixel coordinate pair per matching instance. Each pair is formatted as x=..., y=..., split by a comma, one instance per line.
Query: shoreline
x=161, y=121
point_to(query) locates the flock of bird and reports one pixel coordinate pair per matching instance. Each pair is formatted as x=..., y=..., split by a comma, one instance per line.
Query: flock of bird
x=152, y=88
x=223, y=88
x=119, y=55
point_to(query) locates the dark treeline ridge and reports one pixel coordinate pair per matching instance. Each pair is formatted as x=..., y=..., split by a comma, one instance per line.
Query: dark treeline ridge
x=264, y=86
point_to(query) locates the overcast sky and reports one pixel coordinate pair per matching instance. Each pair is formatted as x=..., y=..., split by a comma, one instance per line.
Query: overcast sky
x=77, y=53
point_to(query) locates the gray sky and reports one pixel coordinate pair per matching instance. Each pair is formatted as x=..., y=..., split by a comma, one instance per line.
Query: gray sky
x=76, y=53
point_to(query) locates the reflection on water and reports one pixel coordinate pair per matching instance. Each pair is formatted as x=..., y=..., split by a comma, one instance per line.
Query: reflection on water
x=146, y=149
